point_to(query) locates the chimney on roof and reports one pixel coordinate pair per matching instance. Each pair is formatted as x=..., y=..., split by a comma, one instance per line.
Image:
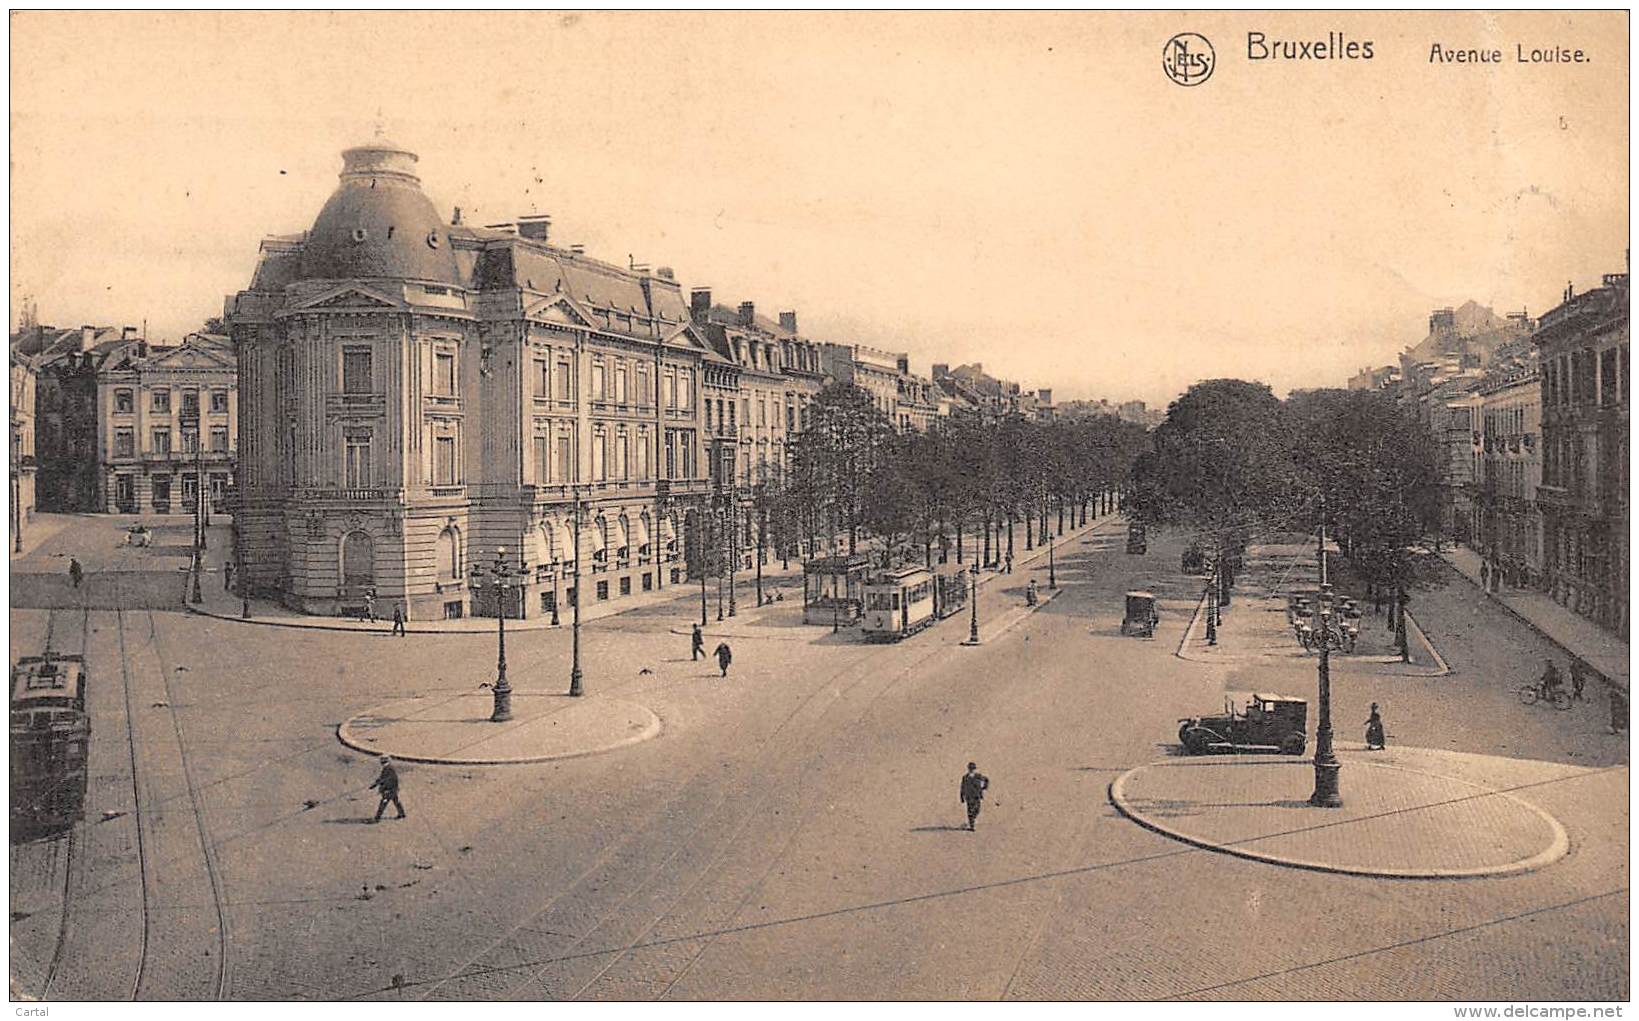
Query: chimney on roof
x=788, y=322
x=665, y=273
x=455, y=218
x=748, y=313
x=940, y=370
x=577, y=249
x=699, y=303
x=504, y=228
x=142, y=349
x=88, y=337
x=534, y=226
x=904, y=365
x=1045, y=396
x=128, y=332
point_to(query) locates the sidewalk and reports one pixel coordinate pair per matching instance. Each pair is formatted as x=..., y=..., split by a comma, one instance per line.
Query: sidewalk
x=1577, y=635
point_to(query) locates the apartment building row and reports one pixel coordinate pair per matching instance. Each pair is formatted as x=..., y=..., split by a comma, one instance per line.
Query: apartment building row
x=1532, y=421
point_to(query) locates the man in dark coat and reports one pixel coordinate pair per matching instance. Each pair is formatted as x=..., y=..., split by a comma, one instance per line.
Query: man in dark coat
x=398, y=619
x=725, y=656
x=75, y=572
x=697, y=644
x=974, y=785
x=1579, y=679
x=387, y=784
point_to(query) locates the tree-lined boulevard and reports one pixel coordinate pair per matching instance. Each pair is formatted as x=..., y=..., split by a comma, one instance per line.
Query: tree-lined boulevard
x=793, y=830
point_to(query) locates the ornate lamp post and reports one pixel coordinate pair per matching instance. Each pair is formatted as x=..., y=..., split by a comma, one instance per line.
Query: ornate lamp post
x=557, y=578
x=502, y=577
x=1326, y=793
x=574, y=641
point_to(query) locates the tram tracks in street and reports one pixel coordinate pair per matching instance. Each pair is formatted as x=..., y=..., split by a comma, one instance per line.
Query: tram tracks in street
x=768, y=768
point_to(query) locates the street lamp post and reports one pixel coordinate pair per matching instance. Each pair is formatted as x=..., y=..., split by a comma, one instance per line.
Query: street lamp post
x=557, y=578
x=1326, y=793
x=973, y=611
x=733, y=547
x=502, y=577
x=580, y=597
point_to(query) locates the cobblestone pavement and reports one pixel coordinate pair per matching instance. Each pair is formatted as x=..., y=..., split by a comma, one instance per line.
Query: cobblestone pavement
x=793, y=832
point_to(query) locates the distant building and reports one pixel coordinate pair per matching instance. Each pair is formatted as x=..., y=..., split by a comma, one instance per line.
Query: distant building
x=983, y=393
x=1385, y=378
x=168, y=418
x=66, y=421
x=779, y=373
x=1459, y=341
x=1583, y=347
x=23, y=464
x=1507, y=525
x=871, y=369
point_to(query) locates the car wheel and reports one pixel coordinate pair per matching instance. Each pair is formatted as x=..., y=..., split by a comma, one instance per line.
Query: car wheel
x=1292, y=745
x=1195, y=741
x=1528, y=694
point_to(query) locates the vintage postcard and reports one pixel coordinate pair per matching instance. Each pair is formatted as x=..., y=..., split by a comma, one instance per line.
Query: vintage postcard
x=820, y=506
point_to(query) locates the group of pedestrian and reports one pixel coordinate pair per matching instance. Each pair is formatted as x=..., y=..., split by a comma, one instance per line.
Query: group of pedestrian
x=697, y=648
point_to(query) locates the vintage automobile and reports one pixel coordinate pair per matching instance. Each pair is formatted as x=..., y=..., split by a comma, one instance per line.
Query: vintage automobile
x=1269, y=723
x=1141, y=616
x=1137, y=538
x=138, y=535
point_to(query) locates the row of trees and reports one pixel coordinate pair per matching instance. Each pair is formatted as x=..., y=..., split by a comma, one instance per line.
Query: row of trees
x=1232, y=459
x=897, y=495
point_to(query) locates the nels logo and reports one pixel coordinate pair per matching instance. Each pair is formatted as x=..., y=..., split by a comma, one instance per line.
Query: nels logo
x=1188, y=58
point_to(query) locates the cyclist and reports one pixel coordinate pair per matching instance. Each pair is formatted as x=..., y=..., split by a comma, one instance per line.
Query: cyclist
x=1550, y=680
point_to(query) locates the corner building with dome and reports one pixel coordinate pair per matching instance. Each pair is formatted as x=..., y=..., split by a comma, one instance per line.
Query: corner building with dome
x=416, y=395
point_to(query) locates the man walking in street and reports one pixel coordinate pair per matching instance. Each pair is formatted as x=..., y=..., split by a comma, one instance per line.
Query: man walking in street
x=370, y=605
x=725, y=656
x=697, y=644
x=1579, y=679
x=398, y=619
x=974, y=785
x=387, y=784
x=1009, y=563
x=76, y=573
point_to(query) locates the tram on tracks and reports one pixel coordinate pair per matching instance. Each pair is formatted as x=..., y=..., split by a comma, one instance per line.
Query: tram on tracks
x=50, y=735
x=901, y=602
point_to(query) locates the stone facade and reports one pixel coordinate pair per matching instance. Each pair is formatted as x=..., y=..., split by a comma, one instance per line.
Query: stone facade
x=419, y=395
x=1583, y=349
x=168, y=416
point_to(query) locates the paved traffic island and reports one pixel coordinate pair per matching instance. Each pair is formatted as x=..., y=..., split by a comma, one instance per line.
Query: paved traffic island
x=456, y=730
x=1396, y=821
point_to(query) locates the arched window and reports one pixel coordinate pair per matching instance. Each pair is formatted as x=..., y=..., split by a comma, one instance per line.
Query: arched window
x=448, y=555
x=549, y=549
x=358, y=559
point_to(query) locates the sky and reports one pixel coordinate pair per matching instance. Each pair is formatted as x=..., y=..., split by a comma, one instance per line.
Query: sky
x=1026, y=190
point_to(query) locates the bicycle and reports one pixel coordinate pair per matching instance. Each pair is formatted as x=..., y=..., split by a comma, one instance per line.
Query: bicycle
x=1560, y=699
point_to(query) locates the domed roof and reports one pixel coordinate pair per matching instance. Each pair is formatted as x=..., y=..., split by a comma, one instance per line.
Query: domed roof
x=379, y=223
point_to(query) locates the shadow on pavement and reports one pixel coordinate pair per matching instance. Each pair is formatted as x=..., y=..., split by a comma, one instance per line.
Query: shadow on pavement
x=939, y=829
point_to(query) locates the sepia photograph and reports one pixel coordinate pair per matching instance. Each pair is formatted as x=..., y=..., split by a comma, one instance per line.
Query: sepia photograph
x=885, y=507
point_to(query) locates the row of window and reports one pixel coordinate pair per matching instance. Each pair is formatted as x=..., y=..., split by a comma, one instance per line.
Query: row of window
x=160, y=401
x=159, y=441
x=1586, y=377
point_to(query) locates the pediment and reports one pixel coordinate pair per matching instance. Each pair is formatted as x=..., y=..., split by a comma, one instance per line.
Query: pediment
x=191, y=358
x=350, y=298
x=560, y=309
x=687, y=335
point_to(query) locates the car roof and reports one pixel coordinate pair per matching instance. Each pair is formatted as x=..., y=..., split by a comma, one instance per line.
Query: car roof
x=1261, y=697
